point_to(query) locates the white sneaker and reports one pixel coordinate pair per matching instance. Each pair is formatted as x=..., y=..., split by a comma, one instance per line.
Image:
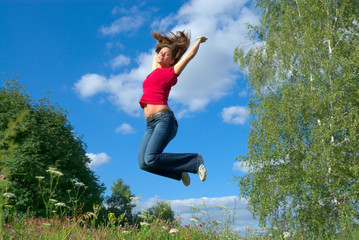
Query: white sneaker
x=185, y=179
x=202, y=171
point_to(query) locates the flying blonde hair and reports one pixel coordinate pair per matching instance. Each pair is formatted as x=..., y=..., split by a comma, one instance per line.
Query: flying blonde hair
x=178, y=43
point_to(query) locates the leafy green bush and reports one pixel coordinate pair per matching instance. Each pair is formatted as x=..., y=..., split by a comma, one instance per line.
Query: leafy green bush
x=43, y=138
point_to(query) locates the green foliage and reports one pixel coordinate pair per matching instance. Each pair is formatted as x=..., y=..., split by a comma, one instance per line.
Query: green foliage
x=304, y=139
x=120, y=202
x=162, y=210
x=44, y=138
x=7, y=145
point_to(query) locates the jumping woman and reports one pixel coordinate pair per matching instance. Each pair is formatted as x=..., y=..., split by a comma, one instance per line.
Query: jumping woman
x=161, y=122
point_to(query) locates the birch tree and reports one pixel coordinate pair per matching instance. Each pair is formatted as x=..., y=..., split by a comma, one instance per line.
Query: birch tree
x=303, y=147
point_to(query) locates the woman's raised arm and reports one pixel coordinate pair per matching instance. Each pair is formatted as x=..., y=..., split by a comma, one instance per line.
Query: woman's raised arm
x=154, y=62
x=178, y=68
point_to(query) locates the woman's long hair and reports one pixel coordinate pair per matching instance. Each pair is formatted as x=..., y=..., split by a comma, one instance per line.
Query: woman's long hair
x=178, y=43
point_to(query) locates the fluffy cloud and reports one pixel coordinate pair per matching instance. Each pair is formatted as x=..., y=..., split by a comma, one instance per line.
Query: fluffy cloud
x=243, y=93
x=125, y=128
x=235, y=114
x=120, y=61
x=123, y=24
x=91, y=84
x=210, y=75
x=124, y=90
x=239, y=166
x=98, y=159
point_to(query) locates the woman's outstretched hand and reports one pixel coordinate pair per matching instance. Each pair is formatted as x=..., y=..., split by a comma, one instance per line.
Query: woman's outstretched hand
x=202, y=39
x=178, y=67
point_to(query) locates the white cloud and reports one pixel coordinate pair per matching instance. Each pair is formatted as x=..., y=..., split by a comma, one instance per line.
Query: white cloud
x=91, y=84
x=208, y=207
x=134, y=10
x=210, y=75
x=120, y=61
x=98, y=159
x=243, y=93
x=124, y=90
x=163, y=24
x=235, y=114
x=123, y=24
x=125, y=128
x=239, y=166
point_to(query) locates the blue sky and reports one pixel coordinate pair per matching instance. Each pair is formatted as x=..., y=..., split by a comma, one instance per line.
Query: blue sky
x=92, y=57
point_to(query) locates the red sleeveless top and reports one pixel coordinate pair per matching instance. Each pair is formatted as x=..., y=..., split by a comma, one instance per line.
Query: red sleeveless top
x=157, y=86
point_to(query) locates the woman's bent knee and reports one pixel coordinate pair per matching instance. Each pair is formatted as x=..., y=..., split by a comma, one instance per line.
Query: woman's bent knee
x=151, y=160
x=146, y=162
x=141, y=163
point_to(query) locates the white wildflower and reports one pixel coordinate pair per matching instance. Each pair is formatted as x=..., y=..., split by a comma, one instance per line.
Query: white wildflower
x=79, y=184
x=144, y=224
x=54, y=171
x=126, y=232
x=173, y=230
x=193, y=220
x=286, y=234
x=53, y=200
x=58, y=173
x=60, y=204
x=9, y=195
x=142, y=216
x=51, y=170
x=40, y=177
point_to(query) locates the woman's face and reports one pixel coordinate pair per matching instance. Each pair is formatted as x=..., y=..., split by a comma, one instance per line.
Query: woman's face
x=164, y=57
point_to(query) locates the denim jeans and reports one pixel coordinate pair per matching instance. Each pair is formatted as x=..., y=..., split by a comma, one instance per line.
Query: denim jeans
x=151, y=158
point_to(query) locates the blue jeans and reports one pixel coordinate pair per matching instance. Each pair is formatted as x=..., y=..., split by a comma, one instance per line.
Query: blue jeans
x=151, y=158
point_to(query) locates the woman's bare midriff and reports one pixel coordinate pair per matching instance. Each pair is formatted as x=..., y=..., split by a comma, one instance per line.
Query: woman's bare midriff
x=152, y=109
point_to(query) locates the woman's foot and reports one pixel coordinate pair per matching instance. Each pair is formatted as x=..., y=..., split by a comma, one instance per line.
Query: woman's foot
x=185, y=178
x=202, y=171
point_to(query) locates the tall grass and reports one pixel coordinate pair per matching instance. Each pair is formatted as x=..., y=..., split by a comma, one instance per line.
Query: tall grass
x=56, y=228
x=58, y=225
x=80, y=228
